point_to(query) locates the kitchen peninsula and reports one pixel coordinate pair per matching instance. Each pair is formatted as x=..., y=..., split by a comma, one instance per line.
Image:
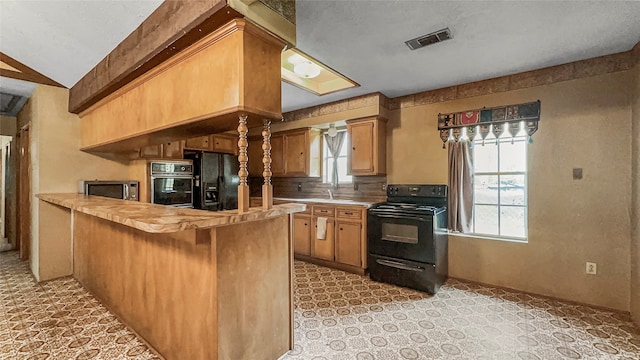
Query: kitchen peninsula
x=194, y=284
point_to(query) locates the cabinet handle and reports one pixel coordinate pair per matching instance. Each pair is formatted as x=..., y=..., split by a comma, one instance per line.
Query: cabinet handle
x=348, y=213
x=305, y=224
x=353, y=148
x=301, y=153
x=340, y=229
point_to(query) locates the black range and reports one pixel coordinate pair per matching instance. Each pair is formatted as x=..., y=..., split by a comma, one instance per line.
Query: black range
x=407, y=237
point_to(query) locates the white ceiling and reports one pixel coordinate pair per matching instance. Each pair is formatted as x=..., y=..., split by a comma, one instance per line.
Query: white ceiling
x=362, y=39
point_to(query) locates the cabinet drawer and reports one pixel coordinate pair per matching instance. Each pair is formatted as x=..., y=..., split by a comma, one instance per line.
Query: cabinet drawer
x=323, y=211
x=347, y=213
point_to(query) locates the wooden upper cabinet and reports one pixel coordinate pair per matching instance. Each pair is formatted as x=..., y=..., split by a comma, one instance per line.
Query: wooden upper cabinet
x=293, y=153
x=297, y=155
x=151, y=152
x=367, y=139
x=277, y=155
x=221, y=143
x=302, y=152
x=173, y=150
x=198, y=143
x=224, y=143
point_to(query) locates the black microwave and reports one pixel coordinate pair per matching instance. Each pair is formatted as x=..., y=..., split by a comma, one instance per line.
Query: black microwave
x=117, y=189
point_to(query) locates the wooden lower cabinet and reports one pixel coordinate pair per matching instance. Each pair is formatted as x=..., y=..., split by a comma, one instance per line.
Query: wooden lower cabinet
x=302, y=234
x=323, y=248
x=344, y=245
x=348, y=243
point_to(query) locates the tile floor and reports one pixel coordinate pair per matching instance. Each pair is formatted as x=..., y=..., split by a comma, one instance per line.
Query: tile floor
x=338, y=316
x=346, y=316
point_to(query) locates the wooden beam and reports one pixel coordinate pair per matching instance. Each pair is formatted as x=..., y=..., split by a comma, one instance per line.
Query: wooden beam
x=24, y=72
x=172, y=27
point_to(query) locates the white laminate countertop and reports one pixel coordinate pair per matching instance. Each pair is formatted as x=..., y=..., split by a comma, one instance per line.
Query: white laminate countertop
x=366, y=204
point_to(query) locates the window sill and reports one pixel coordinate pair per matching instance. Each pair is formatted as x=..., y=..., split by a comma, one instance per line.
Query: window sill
x=489, y=237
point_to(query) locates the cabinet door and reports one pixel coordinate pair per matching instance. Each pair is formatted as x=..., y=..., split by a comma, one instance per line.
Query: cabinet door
x=302, y=234
x=297, y=154
x=198, y=143
x=361, y=153
x=224, y=143
x=172, y=150
x=323, y=248
x=277, y=155
x=151, y=152
x=348, y=241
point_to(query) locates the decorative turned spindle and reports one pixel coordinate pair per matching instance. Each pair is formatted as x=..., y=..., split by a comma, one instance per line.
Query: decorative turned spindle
x=243, y=158
x=267, y=188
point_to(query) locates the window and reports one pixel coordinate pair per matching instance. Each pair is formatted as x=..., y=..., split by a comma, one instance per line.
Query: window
x=500, y=187
x=327, y=164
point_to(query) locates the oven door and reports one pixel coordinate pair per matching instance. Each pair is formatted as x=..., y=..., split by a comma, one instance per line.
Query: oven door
x=172, y=191
x=400, y=235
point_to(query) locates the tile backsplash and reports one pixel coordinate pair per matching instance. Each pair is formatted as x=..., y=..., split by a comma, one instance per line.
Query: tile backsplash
x=363, y=188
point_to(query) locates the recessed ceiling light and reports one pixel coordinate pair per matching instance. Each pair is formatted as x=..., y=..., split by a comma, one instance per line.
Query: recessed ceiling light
x=307, y=73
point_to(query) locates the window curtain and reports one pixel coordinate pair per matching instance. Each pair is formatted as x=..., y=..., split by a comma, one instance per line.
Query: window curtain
x=460, y=186
x=335, y=146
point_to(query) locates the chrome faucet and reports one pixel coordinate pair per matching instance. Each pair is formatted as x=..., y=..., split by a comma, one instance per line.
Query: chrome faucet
x=330, y=194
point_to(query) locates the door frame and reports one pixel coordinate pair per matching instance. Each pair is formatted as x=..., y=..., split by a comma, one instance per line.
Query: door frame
x=23, y=213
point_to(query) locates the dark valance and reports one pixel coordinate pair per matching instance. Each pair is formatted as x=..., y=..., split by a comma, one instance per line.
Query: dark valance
x=489, y=120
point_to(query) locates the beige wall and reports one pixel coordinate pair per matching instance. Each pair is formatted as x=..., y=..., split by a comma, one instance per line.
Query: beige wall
x=635, y=200
x=57, y=165
x=584, y=123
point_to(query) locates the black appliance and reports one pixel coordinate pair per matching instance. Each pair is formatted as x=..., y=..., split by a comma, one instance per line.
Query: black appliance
x=172, y=183
x=215, y=181
x=407, y=237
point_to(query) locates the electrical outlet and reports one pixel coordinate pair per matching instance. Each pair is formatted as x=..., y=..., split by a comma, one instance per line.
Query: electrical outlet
x=299, y=186
x=577, y=173
x=384, y=187
x=355, y=186
x=591, y=268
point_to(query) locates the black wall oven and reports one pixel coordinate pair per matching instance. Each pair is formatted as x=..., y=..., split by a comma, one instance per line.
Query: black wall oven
x=407, y=237
x=172, y=184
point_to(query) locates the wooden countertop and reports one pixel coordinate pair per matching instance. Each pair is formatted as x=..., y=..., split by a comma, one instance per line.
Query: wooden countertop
x=154, y=218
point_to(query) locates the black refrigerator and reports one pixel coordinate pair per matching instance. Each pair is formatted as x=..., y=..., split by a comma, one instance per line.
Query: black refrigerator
x=215, y=180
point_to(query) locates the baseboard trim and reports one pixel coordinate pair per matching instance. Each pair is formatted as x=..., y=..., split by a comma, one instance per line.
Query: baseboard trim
x=330, y=264
x=600, y=307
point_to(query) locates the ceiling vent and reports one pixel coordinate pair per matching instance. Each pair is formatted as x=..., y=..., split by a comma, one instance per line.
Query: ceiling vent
x=429, y=39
